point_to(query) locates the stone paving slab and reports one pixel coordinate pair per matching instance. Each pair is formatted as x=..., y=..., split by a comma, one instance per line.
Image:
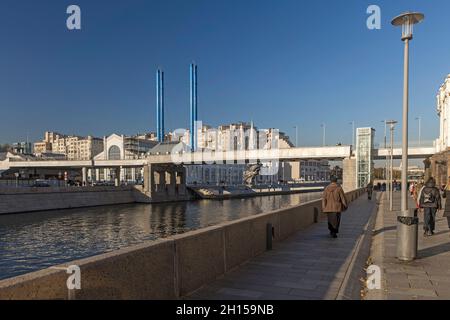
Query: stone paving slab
x=428, y=277
x=308, y=266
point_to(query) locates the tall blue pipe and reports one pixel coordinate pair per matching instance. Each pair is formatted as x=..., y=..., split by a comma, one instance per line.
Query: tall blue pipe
x=194, y=107
x=160, y=105
x=161, y=126
x=158, y=116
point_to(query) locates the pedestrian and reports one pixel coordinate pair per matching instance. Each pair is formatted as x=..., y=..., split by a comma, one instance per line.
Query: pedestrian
x=333, y=203
x=411, y=188
x=446, y=203
x=369, y=189
x=430, y=201
x=417, y=192
x=383, y=187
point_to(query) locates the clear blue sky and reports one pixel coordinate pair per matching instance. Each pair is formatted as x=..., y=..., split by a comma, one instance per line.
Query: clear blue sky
x=279, y=63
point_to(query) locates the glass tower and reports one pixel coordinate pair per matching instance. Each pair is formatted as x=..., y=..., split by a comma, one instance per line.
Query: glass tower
x=364, y=156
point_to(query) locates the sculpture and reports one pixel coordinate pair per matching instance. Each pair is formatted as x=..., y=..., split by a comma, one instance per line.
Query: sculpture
x=251, y=172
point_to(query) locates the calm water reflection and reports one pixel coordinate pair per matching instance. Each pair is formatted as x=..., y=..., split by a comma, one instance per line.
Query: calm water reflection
x=34, y=241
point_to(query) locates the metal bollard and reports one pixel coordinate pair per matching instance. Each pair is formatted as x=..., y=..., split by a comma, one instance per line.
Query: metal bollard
x=316, y=215
x=407, y=235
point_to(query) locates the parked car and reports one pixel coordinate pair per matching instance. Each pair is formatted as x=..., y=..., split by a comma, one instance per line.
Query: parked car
x=40, y=184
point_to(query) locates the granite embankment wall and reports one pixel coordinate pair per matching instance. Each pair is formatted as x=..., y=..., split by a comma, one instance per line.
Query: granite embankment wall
x=39, y=199
x=168, y=268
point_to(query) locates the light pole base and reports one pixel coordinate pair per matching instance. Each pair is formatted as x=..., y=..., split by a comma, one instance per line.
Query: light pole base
x=407, y=235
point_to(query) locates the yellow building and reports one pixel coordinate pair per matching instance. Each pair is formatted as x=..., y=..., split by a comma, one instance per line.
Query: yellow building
x=73, y=147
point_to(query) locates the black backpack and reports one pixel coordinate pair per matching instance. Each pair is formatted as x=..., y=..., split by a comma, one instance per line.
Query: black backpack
x=429, y=196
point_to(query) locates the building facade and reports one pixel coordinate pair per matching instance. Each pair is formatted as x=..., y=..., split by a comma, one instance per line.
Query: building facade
x=22, y=148
x=245, y=136
x=314, y=170
x=443, y=111
x=437, y=166
x=73, y=147
x=120, y=147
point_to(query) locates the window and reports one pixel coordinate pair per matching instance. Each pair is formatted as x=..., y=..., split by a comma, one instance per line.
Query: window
x=114, y=153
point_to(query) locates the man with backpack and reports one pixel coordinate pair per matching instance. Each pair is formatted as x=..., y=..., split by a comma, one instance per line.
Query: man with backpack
x=430, y=201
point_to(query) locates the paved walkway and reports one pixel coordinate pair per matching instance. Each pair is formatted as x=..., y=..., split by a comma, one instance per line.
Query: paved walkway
x=309, y=265
x=428, y=277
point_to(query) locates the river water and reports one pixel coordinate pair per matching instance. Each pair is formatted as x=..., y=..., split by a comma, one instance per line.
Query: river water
x=34, y=241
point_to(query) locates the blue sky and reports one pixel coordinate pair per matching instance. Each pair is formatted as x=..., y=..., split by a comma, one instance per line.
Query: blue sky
x=279, y=63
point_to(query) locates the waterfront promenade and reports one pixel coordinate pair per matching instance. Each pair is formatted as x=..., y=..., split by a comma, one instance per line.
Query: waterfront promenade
x=428, y=277
x=309, y=265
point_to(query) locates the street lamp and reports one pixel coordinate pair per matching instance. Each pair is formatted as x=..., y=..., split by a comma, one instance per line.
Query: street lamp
x=353, y=133
x=385, y=146
x=324, y=127
x=420, y=130
x=391, y=123
x=407, y=223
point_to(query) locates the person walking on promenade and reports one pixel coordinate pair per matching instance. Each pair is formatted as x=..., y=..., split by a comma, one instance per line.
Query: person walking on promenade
x=333, y=203
x=430, y=201
x=446, y=203
x=411, y=189
x=369, y=189
x=417, y=193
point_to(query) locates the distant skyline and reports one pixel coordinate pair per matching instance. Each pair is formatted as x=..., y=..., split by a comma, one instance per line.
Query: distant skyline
x=278, y=63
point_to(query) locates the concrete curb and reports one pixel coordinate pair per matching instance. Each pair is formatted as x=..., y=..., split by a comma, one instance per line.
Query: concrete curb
x=377, y=252
x=351, y=286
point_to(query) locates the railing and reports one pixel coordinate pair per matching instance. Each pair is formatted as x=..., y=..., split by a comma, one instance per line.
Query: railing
x=26, y=183
x=411, y=144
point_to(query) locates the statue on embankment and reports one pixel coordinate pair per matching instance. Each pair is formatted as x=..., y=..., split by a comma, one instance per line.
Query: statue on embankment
x=251, y=172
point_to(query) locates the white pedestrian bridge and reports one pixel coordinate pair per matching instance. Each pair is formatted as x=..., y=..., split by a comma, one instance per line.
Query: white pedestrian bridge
x=243, y=156
x=413, y=153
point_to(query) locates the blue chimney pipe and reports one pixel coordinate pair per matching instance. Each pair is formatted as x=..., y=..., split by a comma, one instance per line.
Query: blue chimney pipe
x=160, y=105
x=194, y=107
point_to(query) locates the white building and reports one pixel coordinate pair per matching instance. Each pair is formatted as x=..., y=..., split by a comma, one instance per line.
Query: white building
x=245, y=136
x=443, y=111
x=310, y=170
x=120, y=147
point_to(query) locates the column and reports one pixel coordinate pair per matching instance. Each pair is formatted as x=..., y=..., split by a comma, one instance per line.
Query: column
x=349, y=174
x=84, y=172
x=117, y=177
x=147, y=179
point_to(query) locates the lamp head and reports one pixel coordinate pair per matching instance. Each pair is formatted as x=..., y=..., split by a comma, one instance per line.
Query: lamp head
x=407, y=20
x=391, y=122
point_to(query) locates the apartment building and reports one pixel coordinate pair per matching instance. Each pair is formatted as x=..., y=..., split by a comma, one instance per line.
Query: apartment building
x=73, y=147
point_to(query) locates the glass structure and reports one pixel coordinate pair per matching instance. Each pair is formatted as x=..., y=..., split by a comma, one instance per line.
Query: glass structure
x=364, y=156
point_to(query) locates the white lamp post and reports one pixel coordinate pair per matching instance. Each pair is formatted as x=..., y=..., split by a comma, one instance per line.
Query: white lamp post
x=391, y=123
x=407, y=223
x=420, y=130
x=324, y=127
